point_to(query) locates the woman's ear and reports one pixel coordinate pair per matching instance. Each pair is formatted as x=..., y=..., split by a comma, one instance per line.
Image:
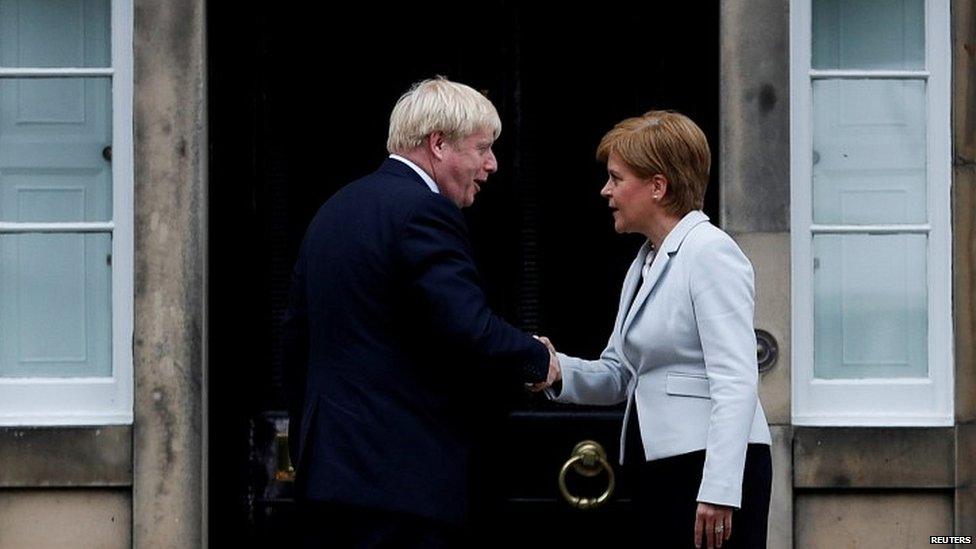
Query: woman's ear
x=659, y=186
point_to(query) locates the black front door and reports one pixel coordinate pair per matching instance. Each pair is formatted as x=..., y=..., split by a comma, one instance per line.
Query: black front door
x=299, y=105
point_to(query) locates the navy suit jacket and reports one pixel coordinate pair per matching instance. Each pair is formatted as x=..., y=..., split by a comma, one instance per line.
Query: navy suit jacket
x=387, y=334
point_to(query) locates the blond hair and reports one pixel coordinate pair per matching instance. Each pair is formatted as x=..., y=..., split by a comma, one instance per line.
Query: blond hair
x=667, y=143
x=439, y=105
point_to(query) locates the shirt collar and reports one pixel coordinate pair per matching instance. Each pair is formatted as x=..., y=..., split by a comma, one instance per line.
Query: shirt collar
x=423, y=175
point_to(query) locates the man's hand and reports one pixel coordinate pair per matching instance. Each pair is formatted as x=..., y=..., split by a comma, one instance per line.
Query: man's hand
x=555, y=372
x=714, y=522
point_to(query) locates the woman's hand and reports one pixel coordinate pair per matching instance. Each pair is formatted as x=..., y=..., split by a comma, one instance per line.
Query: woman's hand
x=714, y=522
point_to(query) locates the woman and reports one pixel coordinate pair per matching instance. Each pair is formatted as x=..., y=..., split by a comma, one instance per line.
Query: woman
x=683, y=350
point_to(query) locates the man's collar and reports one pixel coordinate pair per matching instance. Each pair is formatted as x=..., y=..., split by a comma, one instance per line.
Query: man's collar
x=423, y=175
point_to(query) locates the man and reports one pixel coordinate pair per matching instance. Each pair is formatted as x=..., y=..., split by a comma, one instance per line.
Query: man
x=388, y=329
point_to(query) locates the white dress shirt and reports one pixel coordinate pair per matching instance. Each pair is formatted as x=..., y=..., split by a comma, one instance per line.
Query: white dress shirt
x=423, y=175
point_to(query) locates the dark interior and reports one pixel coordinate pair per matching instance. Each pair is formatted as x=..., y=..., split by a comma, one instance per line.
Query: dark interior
x=299, y=101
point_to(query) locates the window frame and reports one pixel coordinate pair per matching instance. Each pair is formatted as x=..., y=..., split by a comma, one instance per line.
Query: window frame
x=91, y=400
x=876, y=401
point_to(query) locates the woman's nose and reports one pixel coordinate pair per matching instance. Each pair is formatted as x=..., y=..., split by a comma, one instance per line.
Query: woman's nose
x=605, y=191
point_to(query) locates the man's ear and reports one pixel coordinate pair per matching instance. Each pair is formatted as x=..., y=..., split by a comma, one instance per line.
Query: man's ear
x=436, y=143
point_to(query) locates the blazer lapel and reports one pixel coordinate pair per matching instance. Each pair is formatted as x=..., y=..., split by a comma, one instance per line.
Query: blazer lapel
x=669, y=247
x=631, y=281
x=657, y=268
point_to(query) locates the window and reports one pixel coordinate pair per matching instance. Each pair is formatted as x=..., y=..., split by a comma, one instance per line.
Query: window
x=872, y=325
x=65, y=212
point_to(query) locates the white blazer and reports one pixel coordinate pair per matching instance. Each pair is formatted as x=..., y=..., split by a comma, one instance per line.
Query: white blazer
x=685, y=350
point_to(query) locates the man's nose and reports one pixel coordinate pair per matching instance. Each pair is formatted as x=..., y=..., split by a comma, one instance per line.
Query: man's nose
x=491, y=165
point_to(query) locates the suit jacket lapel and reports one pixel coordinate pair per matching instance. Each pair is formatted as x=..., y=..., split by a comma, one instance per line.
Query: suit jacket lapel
x=631, y=281
x=669, y=247
x=657, y=268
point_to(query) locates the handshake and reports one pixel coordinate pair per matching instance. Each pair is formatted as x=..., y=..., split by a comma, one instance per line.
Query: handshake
x=555, y=373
